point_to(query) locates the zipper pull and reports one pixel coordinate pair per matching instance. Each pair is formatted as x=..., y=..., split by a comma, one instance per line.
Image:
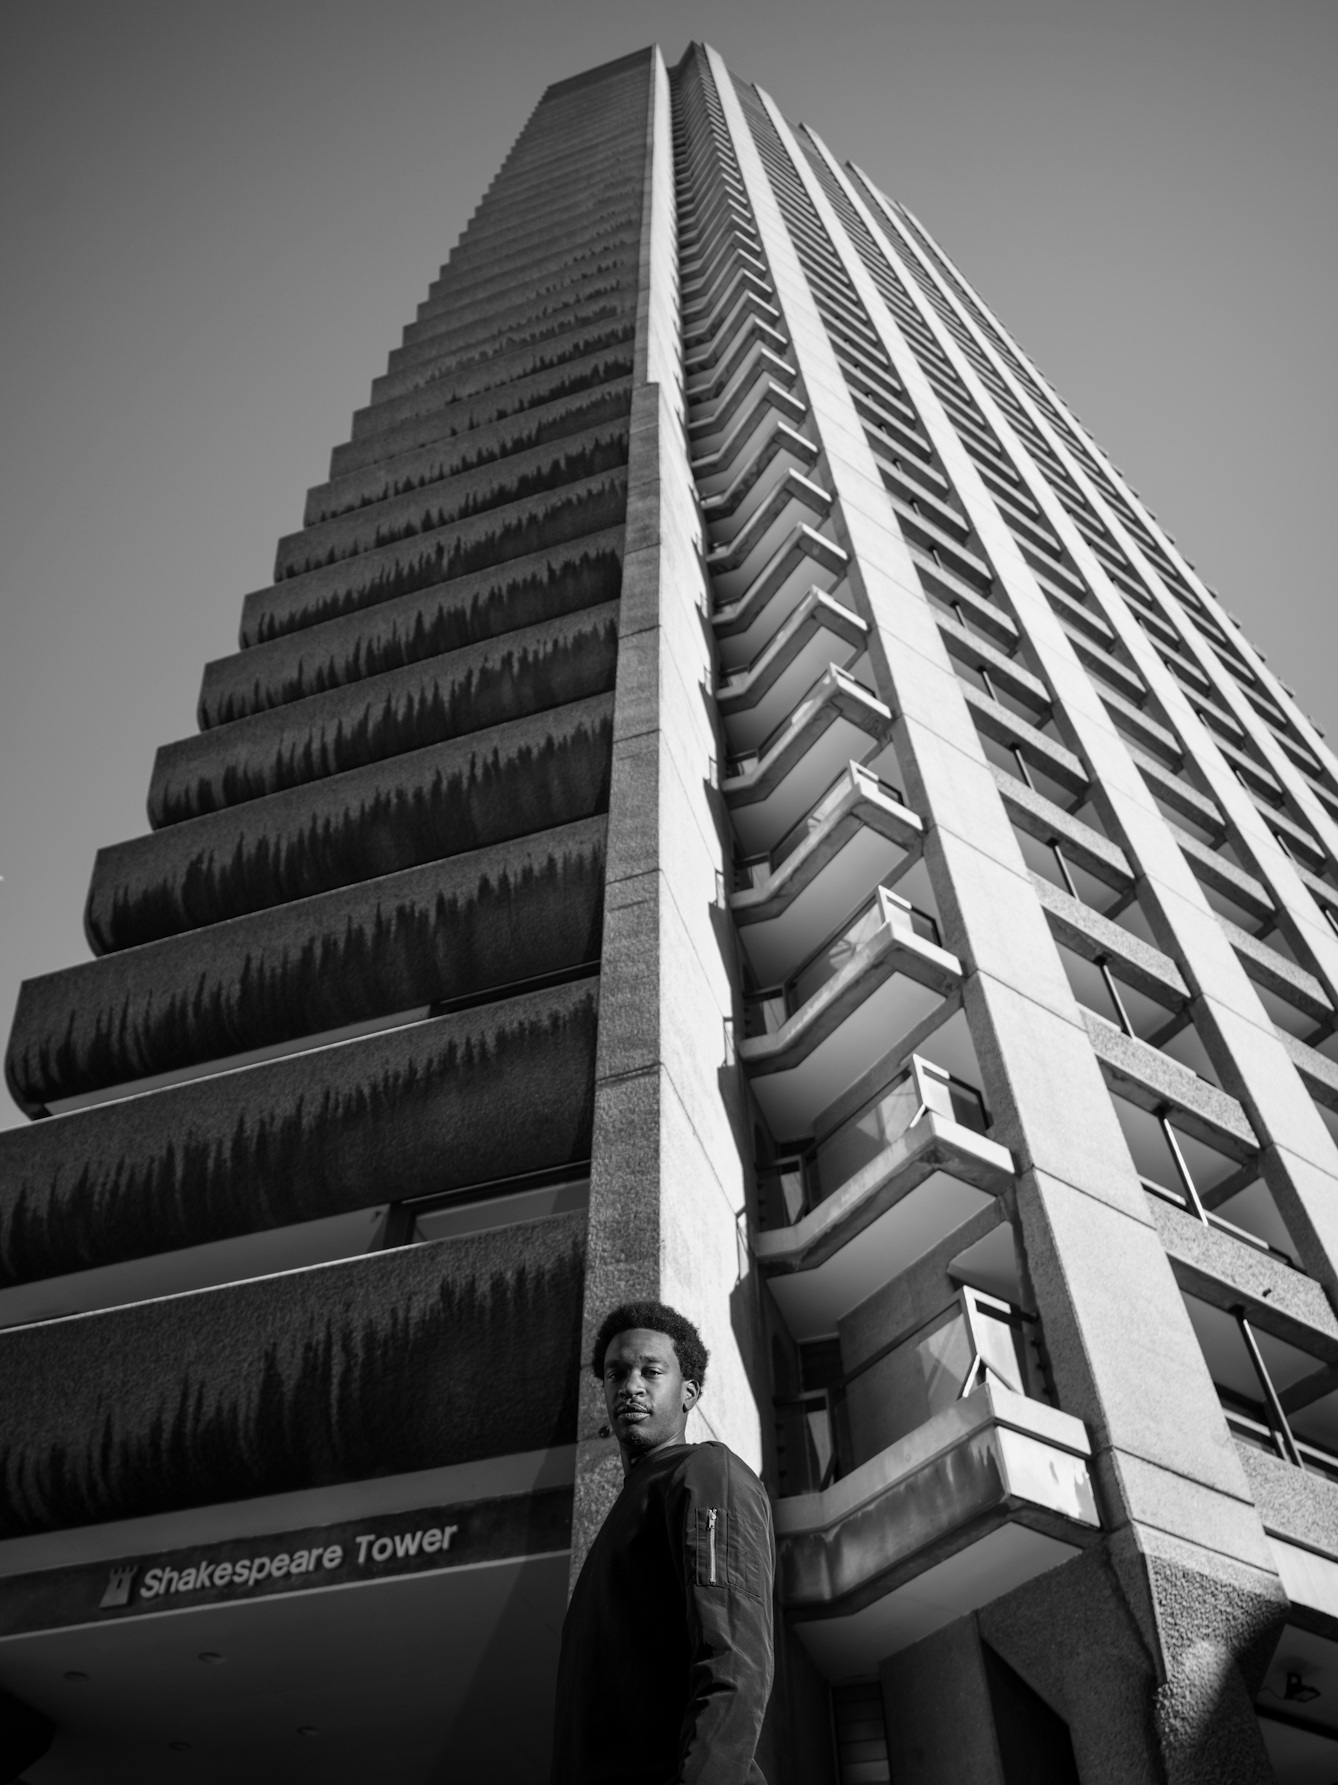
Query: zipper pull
x=710, y=1541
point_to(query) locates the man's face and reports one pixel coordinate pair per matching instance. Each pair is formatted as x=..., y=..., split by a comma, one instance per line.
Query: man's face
x=645, y=1390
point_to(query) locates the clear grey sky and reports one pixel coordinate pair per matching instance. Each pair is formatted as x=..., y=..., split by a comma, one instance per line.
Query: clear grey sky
x=217, y=218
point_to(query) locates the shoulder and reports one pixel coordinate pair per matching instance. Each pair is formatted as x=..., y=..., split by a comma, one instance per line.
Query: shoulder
x=713, y=1470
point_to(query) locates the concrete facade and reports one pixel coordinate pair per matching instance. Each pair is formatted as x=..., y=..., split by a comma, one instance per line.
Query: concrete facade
x=729, y=796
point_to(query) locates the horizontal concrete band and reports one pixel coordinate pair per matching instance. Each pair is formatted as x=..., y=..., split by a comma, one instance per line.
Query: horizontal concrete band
x=449, y=1102
x=373, y=1366
x=423, y=623
x=554, y=301
x=481, y=685
x=472, y=543
x=474, y=382
x=546, y=385
x=551, y=767
x=615, y=302
x=526, y=470
x=452, y=929
x=425, y=466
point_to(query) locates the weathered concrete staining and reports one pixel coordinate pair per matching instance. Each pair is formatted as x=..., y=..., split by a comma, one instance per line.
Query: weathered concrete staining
x=509, y=677
x=424, y=623
x=550, y=382
x=476, y=490
x=421, y=806
x=425, y=466
x=384, y=1364
x=473, y=542
x=991, y=1459
x=454, y=929
x=452, y=1101
x=387, y=778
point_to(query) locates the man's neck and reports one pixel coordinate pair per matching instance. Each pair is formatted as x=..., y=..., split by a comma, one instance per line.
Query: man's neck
x=632, y=1457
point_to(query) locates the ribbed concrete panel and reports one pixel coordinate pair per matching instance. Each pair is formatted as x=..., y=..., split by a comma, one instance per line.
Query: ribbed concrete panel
x=417, y=807
x=493, y=1093
x=451, y=930
x=522, y=672
x=510, y=531
x=379, y=1365
x=424, y=623
x=516, y=433
x=549, y=383
x=474, y=491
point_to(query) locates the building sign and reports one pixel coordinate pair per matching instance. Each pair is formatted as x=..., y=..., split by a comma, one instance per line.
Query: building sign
x=360, y=1550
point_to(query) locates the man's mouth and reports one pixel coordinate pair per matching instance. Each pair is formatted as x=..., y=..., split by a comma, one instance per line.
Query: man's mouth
x=632, y=1412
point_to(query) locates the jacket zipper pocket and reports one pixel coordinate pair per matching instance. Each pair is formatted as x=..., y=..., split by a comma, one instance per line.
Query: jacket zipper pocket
x=710, y=1544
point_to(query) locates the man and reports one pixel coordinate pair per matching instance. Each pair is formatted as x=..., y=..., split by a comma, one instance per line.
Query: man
x=666, y=1651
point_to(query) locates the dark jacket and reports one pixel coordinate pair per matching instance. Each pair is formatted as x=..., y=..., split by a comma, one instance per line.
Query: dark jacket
x=666, y=1651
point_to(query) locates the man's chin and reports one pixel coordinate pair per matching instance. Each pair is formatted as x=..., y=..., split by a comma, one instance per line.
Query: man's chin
x=639, y=1435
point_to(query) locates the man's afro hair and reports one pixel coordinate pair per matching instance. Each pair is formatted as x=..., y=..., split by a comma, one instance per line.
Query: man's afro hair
x=655, y=1317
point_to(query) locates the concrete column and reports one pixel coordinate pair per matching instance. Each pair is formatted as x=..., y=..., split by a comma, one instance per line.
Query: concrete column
x=667, y=1179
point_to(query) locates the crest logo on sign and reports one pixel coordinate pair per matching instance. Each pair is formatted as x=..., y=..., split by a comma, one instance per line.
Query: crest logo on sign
x=119, y=1583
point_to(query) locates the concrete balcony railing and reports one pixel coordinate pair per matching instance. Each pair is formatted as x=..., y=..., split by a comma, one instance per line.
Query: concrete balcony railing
x=397, y=1361
x=750, y=347
x=419, y=704
x=518, y=527
x=730, y=251
x=378, y=950
x=729, y=240
x=497, y=1091
x=923, y=1123
x=436, y=358
x=413, y=627
x=707, y=343
x=990, y=1492
x=768, y=790
x=426, y=467
x=448, y=798
x=857, y=800
x=736, y=559
x=532, y=467
x=728, y=352
x=702, y=320
x=545, y=383
x=782, y=449
x=877, y=978
x=712, y=426
x=754, y=701
x=713, y=470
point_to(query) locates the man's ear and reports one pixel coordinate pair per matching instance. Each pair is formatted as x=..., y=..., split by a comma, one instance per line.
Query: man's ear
x=691, y=1394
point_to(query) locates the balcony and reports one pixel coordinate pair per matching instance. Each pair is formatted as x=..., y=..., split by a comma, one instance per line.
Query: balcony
x=374, y=1366
x=755, y=700
x=991, y=1490
x=769, y=788
x=856, y=805
x=782, y=450
x=737, y=558
x=498, y=1091
x=713, y=469
x=709, y=428
x=876, y=978
x=899, y=1173
x=740, y=353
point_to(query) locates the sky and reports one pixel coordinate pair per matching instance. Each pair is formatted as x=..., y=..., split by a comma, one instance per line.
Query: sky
x=218, y=217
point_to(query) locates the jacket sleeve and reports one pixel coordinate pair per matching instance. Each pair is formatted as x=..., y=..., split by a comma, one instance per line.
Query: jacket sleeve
x=723, y=1528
